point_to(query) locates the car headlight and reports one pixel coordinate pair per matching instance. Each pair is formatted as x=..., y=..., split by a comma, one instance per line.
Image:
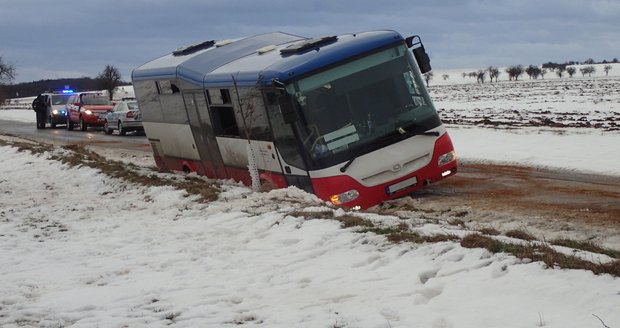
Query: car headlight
x=88, y=112
x=345, y=197
x=446, y=158
x=55, y=112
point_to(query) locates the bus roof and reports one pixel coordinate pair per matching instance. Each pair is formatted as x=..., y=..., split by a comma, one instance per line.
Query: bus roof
x=259, y=59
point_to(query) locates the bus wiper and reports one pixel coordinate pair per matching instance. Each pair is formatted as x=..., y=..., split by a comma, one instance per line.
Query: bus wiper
x=388, y=137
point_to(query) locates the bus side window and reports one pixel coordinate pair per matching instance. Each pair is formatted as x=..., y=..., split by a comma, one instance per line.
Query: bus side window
x=224, y=122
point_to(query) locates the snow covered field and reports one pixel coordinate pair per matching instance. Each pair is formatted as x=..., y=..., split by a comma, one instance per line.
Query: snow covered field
x=81, y=249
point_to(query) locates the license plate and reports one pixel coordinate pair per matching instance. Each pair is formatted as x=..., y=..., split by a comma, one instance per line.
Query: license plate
x=401, y=185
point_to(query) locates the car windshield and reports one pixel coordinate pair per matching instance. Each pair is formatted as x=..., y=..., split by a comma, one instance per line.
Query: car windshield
x=346, y=109
x=95, y=100
x=60, y=99
x=132, y=105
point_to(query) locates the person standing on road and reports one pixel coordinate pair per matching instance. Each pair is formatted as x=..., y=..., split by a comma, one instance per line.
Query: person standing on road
x=40, y=108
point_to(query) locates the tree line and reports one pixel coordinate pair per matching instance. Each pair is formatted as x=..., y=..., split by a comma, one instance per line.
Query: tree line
x=109, y=79
x=534, y=72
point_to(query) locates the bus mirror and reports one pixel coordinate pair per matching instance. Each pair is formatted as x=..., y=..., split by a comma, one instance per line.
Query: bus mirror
x=422, y=58
x=419, y=53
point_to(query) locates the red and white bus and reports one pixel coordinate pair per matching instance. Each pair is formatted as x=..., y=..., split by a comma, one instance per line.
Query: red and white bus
x=345, y=117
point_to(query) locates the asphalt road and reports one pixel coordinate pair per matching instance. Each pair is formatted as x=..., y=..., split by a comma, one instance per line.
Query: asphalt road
x=61, y=136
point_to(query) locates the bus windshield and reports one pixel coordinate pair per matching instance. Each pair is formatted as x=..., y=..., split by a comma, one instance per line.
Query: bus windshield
x=346, y=109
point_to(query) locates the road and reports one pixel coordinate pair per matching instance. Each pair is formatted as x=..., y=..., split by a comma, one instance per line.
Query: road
x=547, y=203
x=60, y=136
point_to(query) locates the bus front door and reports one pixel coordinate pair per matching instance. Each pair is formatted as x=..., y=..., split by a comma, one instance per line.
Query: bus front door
x=291, y=161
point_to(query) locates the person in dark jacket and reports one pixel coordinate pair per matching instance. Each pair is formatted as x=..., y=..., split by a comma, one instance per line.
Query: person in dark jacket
x=39, y=105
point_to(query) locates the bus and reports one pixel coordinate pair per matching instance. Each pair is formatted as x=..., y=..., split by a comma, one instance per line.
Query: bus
x=345, y=117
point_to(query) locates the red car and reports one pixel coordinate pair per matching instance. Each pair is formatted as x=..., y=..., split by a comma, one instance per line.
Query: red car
x=87, y=109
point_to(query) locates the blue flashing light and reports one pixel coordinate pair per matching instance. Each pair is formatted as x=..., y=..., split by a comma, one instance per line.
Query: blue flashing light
x=67, y=91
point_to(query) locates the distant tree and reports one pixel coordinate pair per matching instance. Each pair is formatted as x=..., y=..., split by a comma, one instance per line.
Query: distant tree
x=607, y=68
x=571, y=71
x=7, y=74
x=533, y=72
x=543, y=72
x=615, y=60
x=590, y=70
x=493, y=73
x=583, y=71
x=445, y=77
x=560, y=71
x=589, y=61
x=514, y=72
x=109, y=79
x=464, y=75
x=428, y=76
x=472, y=74
x=480, y=75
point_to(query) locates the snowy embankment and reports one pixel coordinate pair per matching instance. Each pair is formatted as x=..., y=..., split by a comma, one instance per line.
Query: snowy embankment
x=98, y=252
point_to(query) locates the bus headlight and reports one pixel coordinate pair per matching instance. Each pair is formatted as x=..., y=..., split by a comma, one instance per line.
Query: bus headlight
x=55, y=112
x=345, y=197
x=446, y=158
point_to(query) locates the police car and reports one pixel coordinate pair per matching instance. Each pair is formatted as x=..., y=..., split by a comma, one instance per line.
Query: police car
x=56, y=108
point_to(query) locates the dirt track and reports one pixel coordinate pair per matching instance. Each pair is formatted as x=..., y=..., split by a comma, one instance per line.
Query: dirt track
x=549, y=204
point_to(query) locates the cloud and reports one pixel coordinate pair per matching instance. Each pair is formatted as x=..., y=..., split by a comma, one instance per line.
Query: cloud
x=86, y=35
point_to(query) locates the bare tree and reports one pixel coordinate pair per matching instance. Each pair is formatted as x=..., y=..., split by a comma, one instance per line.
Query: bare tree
x=514, y=72
x=109, y=79
x=428, y=76
x=583, y=71
x=247, y=109
x=7, y=74
x=571, y=71
x=533, y=72
x=493, y=73
x=560, y=71
x=480, y=76
x=588, y=70
x=607, y=68
x=445, y=77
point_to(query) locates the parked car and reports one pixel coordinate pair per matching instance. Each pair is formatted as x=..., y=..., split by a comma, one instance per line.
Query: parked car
x=87, y=109
x=124, y=117
x=56, y=108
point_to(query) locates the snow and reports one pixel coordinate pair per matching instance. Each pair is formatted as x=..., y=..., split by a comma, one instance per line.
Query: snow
x=131, y=256
x=81, y=249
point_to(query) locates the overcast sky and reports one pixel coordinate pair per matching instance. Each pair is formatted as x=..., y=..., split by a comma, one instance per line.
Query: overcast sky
x=46, y=39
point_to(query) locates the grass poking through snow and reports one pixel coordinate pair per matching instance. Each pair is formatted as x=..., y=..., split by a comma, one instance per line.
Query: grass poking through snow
x=540, y=252
x=78, y=155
